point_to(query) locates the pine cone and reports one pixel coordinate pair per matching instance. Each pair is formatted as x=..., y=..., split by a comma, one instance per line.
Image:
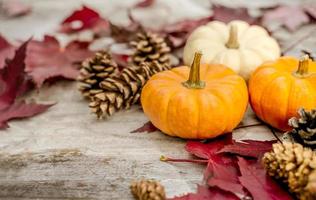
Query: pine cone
x=124, y=90
x=150, y=47
x=148, y=190
x=295, y=166
x=93, y=71
x=304, y=128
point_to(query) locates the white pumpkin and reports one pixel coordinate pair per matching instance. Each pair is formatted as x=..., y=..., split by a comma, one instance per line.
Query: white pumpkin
x=238, y=45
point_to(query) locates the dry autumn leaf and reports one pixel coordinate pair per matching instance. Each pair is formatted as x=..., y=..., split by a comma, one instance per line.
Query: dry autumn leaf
x=258, y=183
x=147, y=127
x=225, y=14
x=20, y=110
x=85, y=18
x=233, y=175
x=12, y=77
x=291, y=17
x=248, y=148
x=206, y=193
x=15, y=82
x=47, y=59
x=177, y=33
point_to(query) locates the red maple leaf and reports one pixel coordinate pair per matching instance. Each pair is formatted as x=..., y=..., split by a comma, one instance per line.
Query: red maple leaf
x=222, y=172
x=6, y=51
x=47, y=59
x=205, y=193
x=12, y=77
x=147, y=127
x=209, y=148
x=225, y=14
x=85, y=18
x=20, y=110
x=249, y=148
x=258, y=183
x=14, y=82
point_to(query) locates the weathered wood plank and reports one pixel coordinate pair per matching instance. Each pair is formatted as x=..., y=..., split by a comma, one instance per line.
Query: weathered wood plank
x=66, y=153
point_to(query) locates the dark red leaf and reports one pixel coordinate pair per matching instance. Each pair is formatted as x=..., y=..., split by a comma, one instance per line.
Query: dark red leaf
x=46, y=59
x=206, y=150
x=147, y=127
x=20, y=110
x=6, y=51
x=291, y=17
x=205, y=193
x=258, y=183
x=12, y=77
x=15, y=8
x=249, y=148
x=85, y=18
x=223, y=172
x=144, y=3
x=225, y=14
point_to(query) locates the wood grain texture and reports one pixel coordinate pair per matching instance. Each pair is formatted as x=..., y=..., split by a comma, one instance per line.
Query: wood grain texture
x=65, y=153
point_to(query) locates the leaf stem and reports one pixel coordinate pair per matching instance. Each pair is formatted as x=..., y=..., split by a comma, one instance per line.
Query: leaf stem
x=167, y=159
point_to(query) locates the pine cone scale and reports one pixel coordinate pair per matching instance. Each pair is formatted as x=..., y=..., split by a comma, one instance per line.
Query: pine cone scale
x=304, y=128
x=294, y=165
x=148, y=190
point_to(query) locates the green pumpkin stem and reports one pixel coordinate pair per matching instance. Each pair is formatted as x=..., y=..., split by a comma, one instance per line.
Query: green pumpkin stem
x=232, y=42
x=302, y=70
x=194, y=81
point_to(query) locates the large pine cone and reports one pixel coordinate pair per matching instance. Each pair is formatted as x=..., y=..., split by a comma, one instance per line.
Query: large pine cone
x=150, y=47
x=124, y=90
x=93, y=71
x=148, y=190
x=295, y=166
x=304, y=128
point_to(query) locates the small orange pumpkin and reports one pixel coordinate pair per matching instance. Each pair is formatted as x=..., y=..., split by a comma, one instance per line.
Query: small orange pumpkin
x=195, y=109
x=278, y=89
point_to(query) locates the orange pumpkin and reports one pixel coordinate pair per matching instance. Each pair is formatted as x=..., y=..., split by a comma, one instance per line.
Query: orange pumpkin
x=193, y=108
x=278, y=89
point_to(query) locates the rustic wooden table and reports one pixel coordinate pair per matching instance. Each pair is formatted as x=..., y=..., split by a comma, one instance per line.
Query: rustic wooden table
x=65, y=153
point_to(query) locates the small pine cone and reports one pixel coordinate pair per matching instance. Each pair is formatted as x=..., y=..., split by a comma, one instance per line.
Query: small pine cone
x=304, y=128
x=93, y=71
x=150, y=47
x=148, y=190
x=124, y=90
x=295, y=166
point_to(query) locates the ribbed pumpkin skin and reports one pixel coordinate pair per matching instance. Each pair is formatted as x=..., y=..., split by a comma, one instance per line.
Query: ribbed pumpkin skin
x=276, y=94
x=256, y=46
x=195, y=113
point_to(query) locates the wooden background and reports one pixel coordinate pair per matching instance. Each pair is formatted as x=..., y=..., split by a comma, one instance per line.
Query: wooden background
x=65, y=153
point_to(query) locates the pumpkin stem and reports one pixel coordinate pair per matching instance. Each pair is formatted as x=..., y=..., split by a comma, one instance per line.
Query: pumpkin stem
x=302, y=70
x=194, y=81
x=232, y=42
